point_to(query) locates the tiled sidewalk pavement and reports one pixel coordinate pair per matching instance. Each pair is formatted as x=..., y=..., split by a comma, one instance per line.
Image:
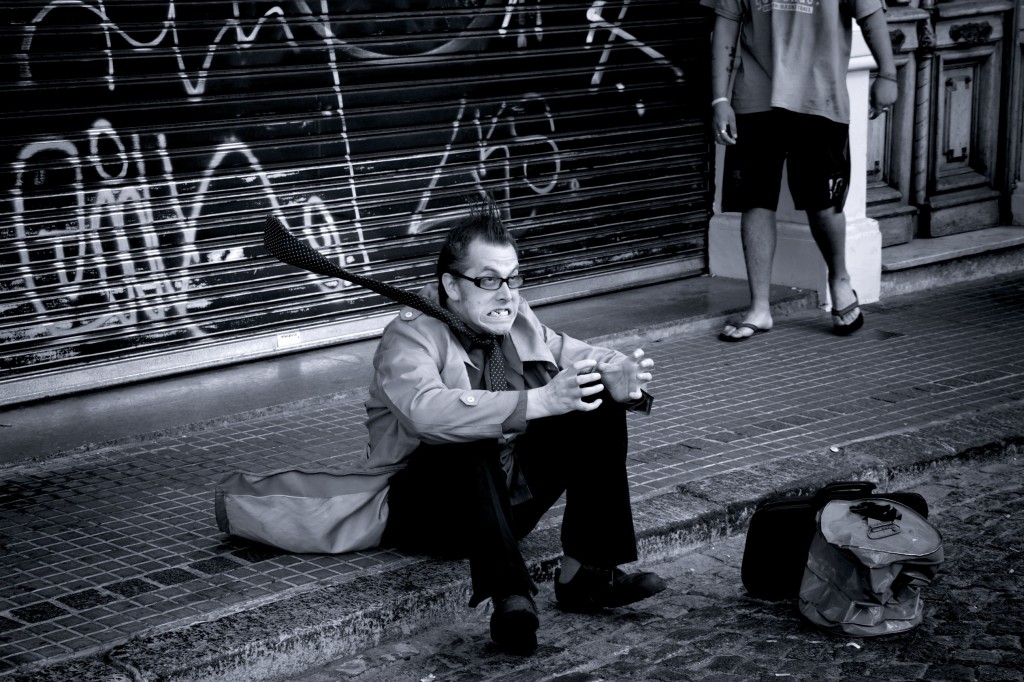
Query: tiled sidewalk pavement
x=121, y=542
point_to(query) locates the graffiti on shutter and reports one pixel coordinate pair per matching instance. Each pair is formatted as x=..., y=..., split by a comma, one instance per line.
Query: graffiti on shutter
x=144, y=143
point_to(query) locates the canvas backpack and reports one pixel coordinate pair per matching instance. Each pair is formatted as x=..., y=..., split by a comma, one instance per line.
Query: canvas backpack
x=866, y=566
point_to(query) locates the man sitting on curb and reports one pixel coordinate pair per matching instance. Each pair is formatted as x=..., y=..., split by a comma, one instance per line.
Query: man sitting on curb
x=490, y=440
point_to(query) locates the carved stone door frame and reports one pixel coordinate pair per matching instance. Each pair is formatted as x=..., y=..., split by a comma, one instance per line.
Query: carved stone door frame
x=946, y=158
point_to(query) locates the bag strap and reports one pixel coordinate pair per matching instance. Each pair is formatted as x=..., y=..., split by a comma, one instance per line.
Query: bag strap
x=846, y=489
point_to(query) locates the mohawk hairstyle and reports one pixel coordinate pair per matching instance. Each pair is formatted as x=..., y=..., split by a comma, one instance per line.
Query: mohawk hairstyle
x=483, y=222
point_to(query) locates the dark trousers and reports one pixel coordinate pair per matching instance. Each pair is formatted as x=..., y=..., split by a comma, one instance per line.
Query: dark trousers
x=452, y=499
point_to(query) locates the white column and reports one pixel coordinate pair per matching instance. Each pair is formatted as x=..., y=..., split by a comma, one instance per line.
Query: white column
x=798, y=263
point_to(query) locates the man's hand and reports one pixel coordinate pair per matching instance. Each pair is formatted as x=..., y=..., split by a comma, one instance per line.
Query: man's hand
x=876, y=34
x=724, y=119
x=884, y=92
x=625, y=378
x=566, y=391
x=724, y=61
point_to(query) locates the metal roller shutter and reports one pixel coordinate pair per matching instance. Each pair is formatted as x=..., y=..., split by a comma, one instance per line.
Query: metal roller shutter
x=143, y=143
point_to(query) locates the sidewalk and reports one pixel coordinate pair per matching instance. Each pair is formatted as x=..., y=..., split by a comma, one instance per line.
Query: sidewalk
x=113, y=567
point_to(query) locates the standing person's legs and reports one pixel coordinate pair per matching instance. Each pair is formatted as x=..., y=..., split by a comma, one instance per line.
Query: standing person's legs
x=753, y=179
x=758, y=233
x=828, y=227
x=819, y=178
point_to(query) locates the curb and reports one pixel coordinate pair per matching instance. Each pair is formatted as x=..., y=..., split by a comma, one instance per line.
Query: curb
x=294, y=634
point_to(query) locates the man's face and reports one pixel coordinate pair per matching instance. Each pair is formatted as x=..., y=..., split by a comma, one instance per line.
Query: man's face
x=491, y=312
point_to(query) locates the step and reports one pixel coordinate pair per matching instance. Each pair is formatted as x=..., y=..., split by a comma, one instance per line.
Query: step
x=927, y=263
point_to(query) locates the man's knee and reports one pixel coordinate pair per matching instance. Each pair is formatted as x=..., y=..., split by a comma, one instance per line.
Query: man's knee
x=596, y=433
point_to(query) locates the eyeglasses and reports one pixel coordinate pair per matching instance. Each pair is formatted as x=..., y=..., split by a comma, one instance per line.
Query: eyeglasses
x=493, y=283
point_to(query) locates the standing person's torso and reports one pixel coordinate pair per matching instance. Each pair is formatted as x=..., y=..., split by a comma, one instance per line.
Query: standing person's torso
x=794, y=54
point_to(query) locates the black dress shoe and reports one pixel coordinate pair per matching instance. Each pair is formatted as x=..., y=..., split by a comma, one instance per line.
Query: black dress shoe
x=593, y=589
x=514, y=624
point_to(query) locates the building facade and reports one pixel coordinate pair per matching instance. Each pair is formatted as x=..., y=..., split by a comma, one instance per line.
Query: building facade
x=946, y=159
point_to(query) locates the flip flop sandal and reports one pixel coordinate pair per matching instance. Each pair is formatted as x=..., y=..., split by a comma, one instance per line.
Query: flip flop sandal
x=739, y=325
x=847, y=329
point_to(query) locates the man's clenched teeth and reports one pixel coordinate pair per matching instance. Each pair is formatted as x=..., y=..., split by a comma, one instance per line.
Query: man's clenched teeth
x=501, y=312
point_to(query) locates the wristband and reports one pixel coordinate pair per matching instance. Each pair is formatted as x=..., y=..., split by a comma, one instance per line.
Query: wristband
x=720, y=99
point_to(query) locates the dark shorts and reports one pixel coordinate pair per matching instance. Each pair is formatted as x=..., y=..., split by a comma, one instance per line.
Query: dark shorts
x=816, y=151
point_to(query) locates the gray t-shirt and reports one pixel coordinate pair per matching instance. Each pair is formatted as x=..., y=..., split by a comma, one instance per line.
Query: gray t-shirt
x=794, y=54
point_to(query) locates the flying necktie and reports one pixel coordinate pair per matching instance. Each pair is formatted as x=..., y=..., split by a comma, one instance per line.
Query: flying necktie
x=287, y=248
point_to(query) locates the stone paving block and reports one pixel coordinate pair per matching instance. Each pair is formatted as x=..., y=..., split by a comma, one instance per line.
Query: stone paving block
x=131, y=588
x=899, y=395
x=704, y=445
x=773, y=425
x=38, y=612
x=214, y=565
x=58, y=635
x=86, y=599
x=172, y=576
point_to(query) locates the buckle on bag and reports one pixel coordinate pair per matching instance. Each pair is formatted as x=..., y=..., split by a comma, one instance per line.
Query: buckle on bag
x=879, y=512
x=882, y=530
x=875, y=511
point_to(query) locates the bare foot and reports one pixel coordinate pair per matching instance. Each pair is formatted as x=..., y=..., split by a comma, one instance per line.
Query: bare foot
x=846, y=314
x=738, y=330
x=844, y=300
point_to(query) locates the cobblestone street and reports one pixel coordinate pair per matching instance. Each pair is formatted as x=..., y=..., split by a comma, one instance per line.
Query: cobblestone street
x=706, y=628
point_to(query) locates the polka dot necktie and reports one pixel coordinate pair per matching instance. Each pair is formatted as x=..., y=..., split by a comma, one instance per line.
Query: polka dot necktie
x=495, y=361
x=284, y=246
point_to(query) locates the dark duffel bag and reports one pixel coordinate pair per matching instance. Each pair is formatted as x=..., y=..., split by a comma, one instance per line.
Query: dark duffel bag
x=781, y=530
